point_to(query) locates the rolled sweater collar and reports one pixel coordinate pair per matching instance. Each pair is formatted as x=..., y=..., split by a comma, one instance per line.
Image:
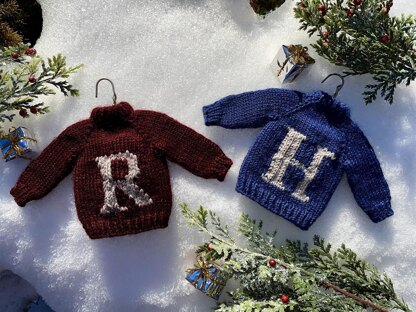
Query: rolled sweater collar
x=113, y=116
x=335, y=111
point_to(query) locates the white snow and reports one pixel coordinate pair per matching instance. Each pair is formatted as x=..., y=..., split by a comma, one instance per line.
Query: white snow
x=175, y=56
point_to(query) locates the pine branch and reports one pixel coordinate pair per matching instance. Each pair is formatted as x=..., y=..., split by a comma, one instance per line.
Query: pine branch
x=302, y=273
x=11, y=17
x=10, y=9
x=8, y=36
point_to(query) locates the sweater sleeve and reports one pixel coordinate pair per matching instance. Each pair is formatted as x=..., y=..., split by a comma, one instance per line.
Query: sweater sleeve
x=365, y=176
x=52, y=165
x=252, y=109
x=186, y=147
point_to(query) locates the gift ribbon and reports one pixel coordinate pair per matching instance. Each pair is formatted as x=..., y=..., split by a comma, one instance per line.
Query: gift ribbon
x=206, y=279
x=14, y=139
x=204, y=269
x=298, y=53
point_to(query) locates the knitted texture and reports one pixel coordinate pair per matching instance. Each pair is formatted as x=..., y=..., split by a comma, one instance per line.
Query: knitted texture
x=299, y=157
x=118, y=158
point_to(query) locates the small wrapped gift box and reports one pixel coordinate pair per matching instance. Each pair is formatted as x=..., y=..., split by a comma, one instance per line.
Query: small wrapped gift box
x=290, y=62
x=15, y=144
x=208, y=277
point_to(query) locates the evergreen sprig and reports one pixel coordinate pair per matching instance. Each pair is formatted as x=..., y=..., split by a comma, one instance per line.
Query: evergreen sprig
x=24, y=78
x=315, y=279
x=362, y=36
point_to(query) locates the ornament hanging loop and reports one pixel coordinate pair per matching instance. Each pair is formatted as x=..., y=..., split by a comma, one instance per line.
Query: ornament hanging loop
x=339, y=87
x=112, y=86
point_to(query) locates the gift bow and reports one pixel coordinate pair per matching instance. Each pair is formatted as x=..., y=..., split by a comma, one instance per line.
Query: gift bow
x=204, y=266
x=299, y=54
x=206, y=277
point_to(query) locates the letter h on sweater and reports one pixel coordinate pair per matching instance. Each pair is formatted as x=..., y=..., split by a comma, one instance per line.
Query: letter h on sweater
x=285, y=156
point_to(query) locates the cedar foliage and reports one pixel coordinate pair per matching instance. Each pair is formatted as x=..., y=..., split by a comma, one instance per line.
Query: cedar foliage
x=26, y=78
x=361, y=36
x=315, y=278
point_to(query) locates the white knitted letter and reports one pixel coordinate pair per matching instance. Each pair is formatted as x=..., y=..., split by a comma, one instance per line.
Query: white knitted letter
x=126, y=184
x=285, y=156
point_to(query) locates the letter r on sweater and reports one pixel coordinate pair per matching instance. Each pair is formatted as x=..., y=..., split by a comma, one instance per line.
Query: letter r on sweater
x=285, y=156
x=125, y=184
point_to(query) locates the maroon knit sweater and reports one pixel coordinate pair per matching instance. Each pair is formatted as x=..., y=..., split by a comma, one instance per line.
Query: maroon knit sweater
x=121, y=178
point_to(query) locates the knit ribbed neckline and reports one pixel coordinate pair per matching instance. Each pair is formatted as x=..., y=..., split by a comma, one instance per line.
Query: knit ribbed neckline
x=113, y=116
x=313, y=97
x=335, y=111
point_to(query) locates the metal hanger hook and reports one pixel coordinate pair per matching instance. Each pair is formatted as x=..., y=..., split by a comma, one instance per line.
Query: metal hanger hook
x=112, y=85
x=339, y=87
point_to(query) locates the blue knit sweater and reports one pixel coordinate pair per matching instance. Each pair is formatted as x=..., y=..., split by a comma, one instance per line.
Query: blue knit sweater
x=307, y=142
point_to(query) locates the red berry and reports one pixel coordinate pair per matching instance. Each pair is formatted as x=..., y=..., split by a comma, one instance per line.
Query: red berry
x=358, y=2
x=350, y=12
x=325, y=34
x=15, y=55
x=302, y=5
x=272, y=263
x=23, y=113
x=322, y=8
x=284, y=298
x=385, y=39
x=209, y=247
x=34, y=110
x=30, y=52
x=32, y=79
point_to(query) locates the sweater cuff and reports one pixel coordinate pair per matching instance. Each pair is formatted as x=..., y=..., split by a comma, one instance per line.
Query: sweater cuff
x=20, y=196
x=380, y=213
x=221, y=167
x=212, y=114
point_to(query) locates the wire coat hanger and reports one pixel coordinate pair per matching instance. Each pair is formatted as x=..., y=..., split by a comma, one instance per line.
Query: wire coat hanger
x=339, y=87
x=112, y=85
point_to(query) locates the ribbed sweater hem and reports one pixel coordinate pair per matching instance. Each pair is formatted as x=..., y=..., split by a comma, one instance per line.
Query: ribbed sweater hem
x=290, y=211
x=102, y=229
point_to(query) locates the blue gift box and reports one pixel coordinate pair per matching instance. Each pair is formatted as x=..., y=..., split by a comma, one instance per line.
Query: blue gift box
x=207, y=277
x=14, y=144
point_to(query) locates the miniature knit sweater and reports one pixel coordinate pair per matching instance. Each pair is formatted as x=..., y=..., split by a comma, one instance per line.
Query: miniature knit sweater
x=120, y=174
x=307, y=142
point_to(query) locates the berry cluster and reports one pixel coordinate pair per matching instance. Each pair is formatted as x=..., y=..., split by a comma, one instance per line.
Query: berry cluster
x=350, y=11
x=23, y=111
x=29, y=51
x=32, y=79
x=284, y=298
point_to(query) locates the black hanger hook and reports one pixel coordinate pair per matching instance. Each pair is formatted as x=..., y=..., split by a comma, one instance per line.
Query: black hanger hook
x=112, y=85
x=339, y=87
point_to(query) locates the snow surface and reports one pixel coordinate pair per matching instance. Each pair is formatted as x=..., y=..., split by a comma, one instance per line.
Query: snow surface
x=176, y=56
